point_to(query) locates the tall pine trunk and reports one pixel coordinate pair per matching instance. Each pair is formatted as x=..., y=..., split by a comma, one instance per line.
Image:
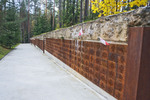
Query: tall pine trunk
x=60, y=13
x=46, y=9
x=54, y=16
x=76, y=16
x=81, y=11
x=91, y=15
x=28, y=20
x=20, y=23
x=63, y=12
x=86, y=9
x=73, y=22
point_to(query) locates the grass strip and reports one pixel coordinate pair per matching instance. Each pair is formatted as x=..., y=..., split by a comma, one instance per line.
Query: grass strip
x=5, y=51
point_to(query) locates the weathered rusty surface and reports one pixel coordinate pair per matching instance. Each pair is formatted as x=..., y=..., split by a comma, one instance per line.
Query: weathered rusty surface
x=137, y=84
x=43, y=46
x=39, y=43
x=133, y=63
x=144, y=75
x=103, y=65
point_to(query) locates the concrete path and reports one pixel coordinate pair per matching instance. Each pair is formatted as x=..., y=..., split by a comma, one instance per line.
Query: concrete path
x=27, y=74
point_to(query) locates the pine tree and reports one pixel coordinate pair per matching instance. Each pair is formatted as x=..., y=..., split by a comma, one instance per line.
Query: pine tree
x=10, y=28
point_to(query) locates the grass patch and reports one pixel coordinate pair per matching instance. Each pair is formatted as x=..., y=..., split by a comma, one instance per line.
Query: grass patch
x=4, y=51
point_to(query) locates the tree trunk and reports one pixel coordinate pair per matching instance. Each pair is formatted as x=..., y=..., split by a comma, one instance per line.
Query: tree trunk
x=91, y=10
x=54, y=16
x=73, y=11
x=0, y=14
x=28, y=20
x=86, y=9
x=20, y=23
x=46, y=9
x=60, y=23
x=116, y=5
x=76, y=16
x=63, y=12
x=81, y=11
x=51, y=21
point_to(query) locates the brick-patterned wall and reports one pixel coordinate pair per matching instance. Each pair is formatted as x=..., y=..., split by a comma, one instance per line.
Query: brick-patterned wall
x=33, y=42
x=105, y=66
x=39, y=43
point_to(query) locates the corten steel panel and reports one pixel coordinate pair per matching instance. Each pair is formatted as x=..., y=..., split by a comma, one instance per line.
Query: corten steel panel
x=103, y=65
x=137, y=83
x=133, y=63
x=144, y=75
x=44, y=46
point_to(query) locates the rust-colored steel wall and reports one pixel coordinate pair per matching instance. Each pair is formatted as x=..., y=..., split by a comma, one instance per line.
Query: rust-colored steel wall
x=39, y=43
x=137, y=84
x=33, y=42
x=103, y=65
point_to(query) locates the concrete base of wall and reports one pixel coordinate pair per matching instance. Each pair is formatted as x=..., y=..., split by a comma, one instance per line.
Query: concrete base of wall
x=100, y=91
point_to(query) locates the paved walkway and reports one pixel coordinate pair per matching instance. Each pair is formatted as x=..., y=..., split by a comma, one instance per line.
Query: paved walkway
x=27, y=74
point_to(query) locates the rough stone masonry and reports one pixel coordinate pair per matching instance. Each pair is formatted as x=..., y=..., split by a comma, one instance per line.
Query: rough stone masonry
x=110, y=28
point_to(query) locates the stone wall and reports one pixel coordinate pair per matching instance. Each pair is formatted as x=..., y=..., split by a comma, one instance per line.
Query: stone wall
x=111, y=28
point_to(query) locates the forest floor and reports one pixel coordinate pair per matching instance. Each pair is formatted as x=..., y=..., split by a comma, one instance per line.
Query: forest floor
x=27, y=74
